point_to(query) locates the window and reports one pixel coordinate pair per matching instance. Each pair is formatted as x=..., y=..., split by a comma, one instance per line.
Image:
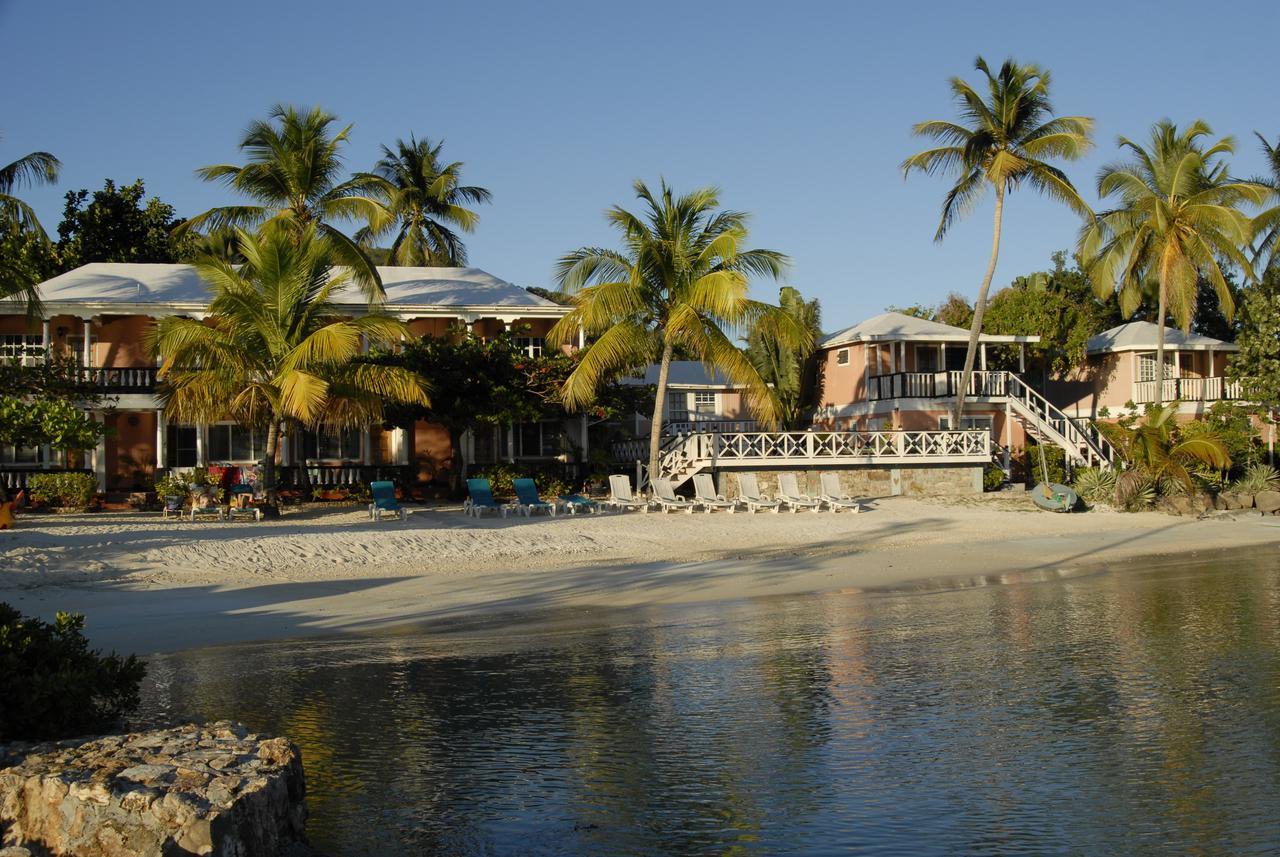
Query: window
x=1147, y=366
x=531, y=345
x=926, y=358
x=180, y=446
x=538, y=440
x=842, y=357
x=20, y=454
x=230, y=442
x=677, y=406
x=969, y=423
x=18, y=346
x=704, y=403
x=332, y=444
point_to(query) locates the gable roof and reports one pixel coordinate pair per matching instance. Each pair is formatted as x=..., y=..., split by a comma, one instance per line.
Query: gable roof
x=896, y=326
x=684, y=374
x=107, y=283
x=1141, y=336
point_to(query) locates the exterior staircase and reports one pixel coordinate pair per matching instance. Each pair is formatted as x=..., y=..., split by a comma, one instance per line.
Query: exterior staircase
x=1083, y=444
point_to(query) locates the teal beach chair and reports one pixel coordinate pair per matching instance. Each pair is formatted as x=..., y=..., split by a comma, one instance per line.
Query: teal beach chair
x=384, y=501
x=481, y=499
x=528, y=500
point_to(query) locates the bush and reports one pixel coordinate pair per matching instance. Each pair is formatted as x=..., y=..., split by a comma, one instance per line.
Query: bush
x=1257, y=477
x=1095, y=485
x=1054, y=458
x=72, y=490
x=173, y=486
x=53, y=686
x=549, y=480
x=992, y=478
x=1136, y=490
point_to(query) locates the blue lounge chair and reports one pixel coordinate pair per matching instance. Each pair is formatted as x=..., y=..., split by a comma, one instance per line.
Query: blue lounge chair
x=528, y=500
x=384, y=501
x=481, y=499
x=576, y=503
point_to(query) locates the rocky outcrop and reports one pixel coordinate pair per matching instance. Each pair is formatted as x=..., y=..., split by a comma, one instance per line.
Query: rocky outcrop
x=214, y=789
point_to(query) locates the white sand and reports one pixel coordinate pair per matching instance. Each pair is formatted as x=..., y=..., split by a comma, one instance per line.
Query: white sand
x=153, y=585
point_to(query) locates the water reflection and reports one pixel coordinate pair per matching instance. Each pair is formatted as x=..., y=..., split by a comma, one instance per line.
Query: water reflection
x=1135, y=712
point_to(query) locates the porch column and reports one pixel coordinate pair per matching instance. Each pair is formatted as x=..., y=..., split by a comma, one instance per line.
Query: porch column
x=511, y=443
x=283, y=450
x=99, y=457
x=942, y=357
x=161, y=439
x=88, y=343
x=366, y=447
x=866, y=371
x=44, y=339
x=982, y=356
x=903, y=360
x=1008, y=436
x=200, y=445
x=1022, y=358
x=399, y=446
x=893, y=358
x=582, y=338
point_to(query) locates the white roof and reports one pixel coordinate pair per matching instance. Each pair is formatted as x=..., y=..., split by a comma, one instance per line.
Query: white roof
x=896, y=326
x=1141, y=336
x=684, y=374
x=108, y=283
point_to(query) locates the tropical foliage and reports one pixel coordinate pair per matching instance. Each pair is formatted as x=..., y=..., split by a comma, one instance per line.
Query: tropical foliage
x=1178, y=213
x=1266, y=225
x=427, y=202
x=681, y=279
x=296, y=178
x=1256, y=366
x=46, y=422
x=117, y=225
x=1006, y=139
x=1156, y=452
x=274, y=346
x=20, y=228
x=792, y=371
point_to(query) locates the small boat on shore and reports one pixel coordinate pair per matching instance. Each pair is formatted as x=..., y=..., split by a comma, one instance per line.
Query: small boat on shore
x=1053, y=497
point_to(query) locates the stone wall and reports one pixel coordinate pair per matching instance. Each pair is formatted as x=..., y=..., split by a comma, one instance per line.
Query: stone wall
x=213, y=789
x=870, y=481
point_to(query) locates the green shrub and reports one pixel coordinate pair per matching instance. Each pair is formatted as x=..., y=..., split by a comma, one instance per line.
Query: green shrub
x=1135, y=491
x=71, y=490
x=1095, y=485
x=53, y=686
x=992, y=478
x=1054, y=458
x=1257, y=477
x=549, y=480
x=172, y=485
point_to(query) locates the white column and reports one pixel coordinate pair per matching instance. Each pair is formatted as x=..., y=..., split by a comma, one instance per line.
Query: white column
x=100, y=458
x=903, y=361
x=283, y=450
x=582, y=338
x=200, y=446
x=161, y=440
x=1022, y=358
x=88, y=343
x=866, y=371
x=44, y=338
x=982, y=356
x=893, y=358
x=366, y=447
x=942, y=357
x=511, y=443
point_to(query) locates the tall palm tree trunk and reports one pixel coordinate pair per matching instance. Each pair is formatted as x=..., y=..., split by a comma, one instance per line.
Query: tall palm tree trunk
x=979, y=310
x=272, y=508
x=659, y=405
x=1161, y=309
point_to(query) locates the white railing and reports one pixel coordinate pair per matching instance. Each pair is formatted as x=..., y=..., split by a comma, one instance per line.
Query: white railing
x=1083, y=442
x=713, y=425
x=1211, y=389
x=936, y=385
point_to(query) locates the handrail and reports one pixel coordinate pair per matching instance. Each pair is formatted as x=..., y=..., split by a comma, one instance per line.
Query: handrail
x=1211, y=388
x=1066, y=433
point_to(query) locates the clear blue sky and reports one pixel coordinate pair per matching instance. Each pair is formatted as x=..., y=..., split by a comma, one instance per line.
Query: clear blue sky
x=800, y=112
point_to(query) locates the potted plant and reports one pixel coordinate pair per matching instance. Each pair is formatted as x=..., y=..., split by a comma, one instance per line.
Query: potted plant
x=174, y=491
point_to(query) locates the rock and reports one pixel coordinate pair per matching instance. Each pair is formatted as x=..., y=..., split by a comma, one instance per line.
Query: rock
x=1231, y=500
x=1219, y=503
x=1267, y=502
x=155, y=793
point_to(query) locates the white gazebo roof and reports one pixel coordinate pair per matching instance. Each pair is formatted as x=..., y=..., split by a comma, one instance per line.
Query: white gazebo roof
x=1141, y=336
x=121, y=287
x=896, y=326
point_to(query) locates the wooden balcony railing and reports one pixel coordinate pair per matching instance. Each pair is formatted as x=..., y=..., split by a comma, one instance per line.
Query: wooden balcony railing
x=1212, y=389
x=935, y=385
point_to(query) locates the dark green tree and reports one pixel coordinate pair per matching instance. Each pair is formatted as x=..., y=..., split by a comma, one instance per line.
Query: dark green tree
x=792, y=370
x=118, y=224
x=1257, y=365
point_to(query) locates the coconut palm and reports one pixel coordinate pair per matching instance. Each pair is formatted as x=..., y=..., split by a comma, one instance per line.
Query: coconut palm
x=295, y=176
x=425, y=199
x=680, y=281
x=1178, y=213
x=790, y=371
x=275, y=348
x=1267, y=224
x=1005, y=140
x=20, y=224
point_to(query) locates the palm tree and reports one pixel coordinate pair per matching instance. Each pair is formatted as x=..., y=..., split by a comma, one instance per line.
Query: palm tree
x=680, y=280
x=790, y=371
x=1156, y=453
x=275, y=348
x=19, y=222
x=1266, y=225
x=1178, y=212
x=425, y=199
x=295, y=176
x=1005, y=140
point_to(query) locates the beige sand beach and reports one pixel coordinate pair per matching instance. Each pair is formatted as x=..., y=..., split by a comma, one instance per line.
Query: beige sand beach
x=152, y=585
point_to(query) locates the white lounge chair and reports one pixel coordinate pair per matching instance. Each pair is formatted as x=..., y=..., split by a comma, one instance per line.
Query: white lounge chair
x=749, y=494
x=834, y=497
x=791, y=495
x=620, y=496
x=704, y=494
x=665, y=496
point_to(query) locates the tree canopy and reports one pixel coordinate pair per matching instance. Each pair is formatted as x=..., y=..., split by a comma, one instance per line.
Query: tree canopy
x=117, y=225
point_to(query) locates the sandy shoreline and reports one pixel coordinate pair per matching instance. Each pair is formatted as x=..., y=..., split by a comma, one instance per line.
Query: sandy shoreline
x=149, y=585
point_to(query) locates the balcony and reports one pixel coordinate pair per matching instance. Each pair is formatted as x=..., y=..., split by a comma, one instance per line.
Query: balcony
x=936, y=385
x=121, y=379
x=1211, y=389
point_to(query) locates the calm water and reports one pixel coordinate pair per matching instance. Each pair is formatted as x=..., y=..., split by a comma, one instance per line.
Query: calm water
x=1135, y=712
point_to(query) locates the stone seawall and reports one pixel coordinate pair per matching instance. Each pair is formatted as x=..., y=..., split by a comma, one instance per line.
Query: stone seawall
x=917, y=480
x=215, y=789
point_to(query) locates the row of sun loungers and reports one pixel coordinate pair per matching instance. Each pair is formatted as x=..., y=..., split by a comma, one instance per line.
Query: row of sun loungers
x=706, y=497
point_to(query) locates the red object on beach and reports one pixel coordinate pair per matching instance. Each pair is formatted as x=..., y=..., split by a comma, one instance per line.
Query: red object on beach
x=7, y=516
